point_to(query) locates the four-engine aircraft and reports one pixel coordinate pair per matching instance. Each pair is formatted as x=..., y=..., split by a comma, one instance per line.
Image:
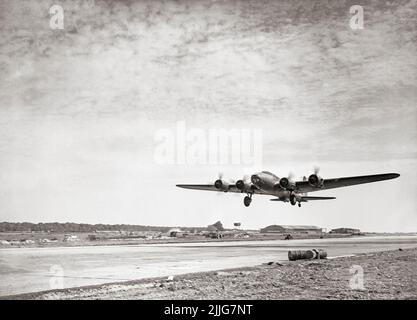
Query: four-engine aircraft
x=286, y=189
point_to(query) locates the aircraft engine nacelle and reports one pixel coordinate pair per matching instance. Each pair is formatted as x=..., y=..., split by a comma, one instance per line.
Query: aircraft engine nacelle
x=315, y=181
x=240, y=184
x=286, y=184
x=244, y=186
x=221, y=185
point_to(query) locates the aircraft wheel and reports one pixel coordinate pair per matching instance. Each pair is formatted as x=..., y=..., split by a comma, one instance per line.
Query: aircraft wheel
x=293, y=200
x=299, y=205
x=246, y=201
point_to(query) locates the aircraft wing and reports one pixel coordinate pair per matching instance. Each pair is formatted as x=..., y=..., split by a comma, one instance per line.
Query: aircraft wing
x=304, y=186
x=211, y=187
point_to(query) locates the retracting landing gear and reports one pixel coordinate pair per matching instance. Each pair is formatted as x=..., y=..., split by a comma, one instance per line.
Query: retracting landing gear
x=247, y=200
x=293, y=200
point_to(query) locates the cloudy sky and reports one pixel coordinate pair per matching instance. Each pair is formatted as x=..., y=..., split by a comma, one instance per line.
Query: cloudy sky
x=80, y=108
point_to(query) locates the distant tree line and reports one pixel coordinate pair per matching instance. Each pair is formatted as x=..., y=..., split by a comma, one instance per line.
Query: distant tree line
x=74, y=227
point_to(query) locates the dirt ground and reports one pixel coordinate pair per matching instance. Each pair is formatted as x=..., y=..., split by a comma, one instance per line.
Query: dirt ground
x=386, y=275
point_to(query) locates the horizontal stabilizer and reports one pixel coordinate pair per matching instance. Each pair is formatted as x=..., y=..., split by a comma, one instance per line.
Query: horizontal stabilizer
x=308, y=198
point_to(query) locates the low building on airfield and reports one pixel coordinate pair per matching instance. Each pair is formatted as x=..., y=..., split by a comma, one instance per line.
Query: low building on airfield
x=293, y=229
x=176, y=233
x=346, y=231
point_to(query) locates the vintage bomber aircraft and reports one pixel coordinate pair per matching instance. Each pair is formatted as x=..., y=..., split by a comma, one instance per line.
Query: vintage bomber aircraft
x=285, y=189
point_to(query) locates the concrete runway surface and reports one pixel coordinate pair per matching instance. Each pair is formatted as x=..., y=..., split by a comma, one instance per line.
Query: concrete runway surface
x=25, y=270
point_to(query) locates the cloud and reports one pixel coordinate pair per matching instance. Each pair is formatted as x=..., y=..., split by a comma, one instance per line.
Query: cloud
x=121, y=70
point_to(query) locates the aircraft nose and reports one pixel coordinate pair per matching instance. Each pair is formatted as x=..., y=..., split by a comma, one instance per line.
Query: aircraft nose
x=254, y=178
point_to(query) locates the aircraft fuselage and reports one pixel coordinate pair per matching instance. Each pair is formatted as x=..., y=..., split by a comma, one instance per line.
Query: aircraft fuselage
x=269, y=183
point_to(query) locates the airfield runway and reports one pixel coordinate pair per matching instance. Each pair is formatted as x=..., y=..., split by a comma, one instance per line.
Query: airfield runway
x=24, y=270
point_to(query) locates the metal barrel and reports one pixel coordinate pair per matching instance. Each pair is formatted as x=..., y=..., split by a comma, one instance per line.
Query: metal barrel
x=306, y=254
x=300, y=254
x=320, y=254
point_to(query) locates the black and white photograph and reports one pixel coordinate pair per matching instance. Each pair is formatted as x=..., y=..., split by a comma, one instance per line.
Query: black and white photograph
x=237, y=150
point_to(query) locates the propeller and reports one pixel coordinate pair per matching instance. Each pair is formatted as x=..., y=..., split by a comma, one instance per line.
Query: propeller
x=287, y=183
x=314, y=180
x=222, y=184
x=240, y=184
x=219, y=177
